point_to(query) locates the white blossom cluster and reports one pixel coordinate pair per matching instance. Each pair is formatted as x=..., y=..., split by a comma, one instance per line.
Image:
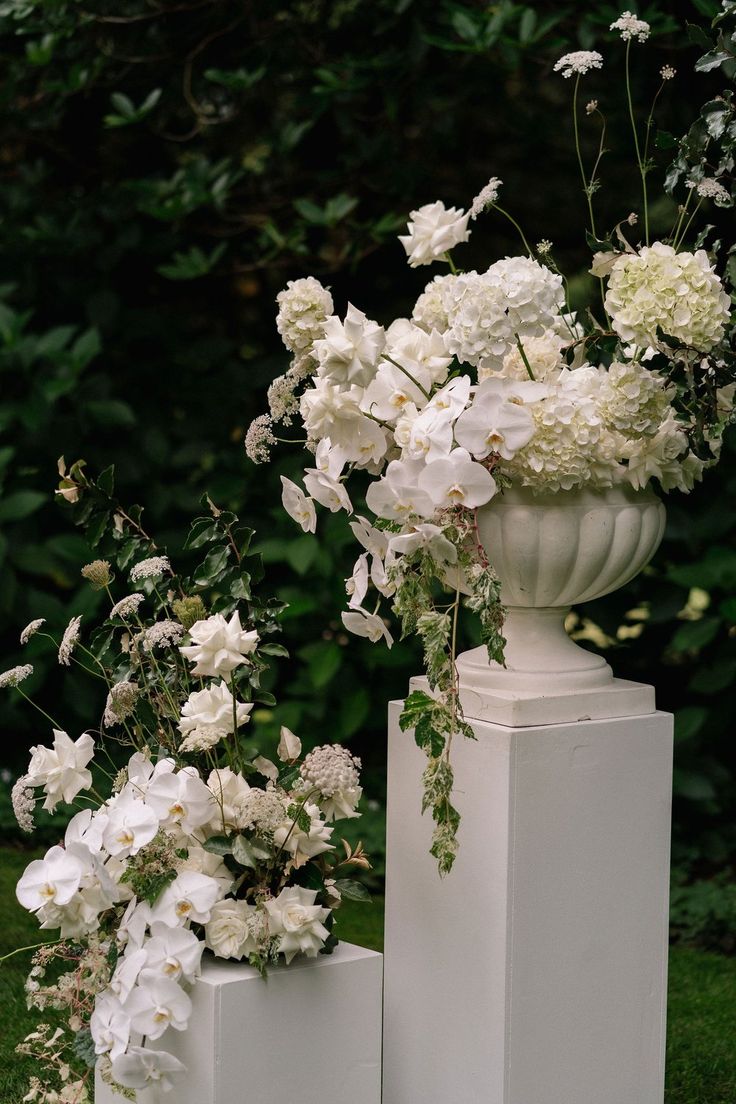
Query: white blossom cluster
x=157, y=822
x=304, y=307
x=678, y=293
x=631, y=28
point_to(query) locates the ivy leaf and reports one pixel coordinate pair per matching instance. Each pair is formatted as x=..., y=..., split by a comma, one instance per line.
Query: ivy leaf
x=219, y=845
x=352, y=890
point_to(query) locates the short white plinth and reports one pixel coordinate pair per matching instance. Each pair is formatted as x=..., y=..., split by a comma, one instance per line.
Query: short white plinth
x=535, y=973
x=311, y=1032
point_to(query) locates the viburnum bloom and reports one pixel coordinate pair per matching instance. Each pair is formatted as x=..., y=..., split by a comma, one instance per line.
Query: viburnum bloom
x=369, y=625
x=212, y=711
x=54, y=879
x=219, y=646
x=298, y=506
x=298, y=922
x=678, y=293
x=229, y=931
x=335, y=772
x=349, y=351
x=130, y=824
x=304, y=307
x=189, y=897
x=173, y=953
x=433, y=231
x=61, y=770
x=495, y=422
x=181, y=799
x=457, y=481
x=140, y=1066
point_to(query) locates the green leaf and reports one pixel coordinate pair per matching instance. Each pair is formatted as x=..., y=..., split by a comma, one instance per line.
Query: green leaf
x=689, y=722
x=219, y=845
x=21, y=504
x=352, y=890
x=692, y=636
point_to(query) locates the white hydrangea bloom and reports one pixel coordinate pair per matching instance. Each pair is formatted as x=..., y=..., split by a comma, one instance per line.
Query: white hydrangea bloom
x=634, y=400
x=349, y=351
x=433, y=231
x=479, y=330
x=571, y=445
x=543, y=353
x=679, y=293
x=535, y=294
x=304, y=307
x=430, y=310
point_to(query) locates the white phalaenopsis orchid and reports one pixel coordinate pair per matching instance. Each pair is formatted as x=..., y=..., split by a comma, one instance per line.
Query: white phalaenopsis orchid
x=369, y=625
x=298, y=505
x=495, y=422
x=327, y=491
x=457, y=480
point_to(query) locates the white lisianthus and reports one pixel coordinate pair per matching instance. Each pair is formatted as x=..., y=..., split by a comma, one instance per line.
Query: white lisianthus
x=219, y=646
x=298, y=506
x=229, y=931
x=433, y=231
x=212, y=711
x=495, y=422
x=304, y=307
x=678, y=293
x=140, y=1066
x=369, y=625
x=304, y=845
x=298, y=922
x=349, y=351
x=457, y=480
x=61, y=770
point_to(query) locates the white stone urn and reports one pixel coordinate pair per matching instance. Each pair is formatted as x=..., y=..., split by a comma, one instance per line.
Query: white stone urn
x=552, y=551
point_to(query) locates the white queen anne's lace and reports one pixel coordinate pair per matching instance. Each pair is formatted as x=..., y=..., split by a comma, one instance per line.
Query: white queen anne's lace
x=579, y=62
x=631, y=27
x=678, y=293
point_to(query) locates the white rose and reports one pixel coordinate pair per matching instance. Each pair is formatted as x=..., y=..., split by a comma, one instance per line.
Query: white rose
x=433, y=230
x=61, y=770
x=297, y=921
x=219, y=646
x=212, y=710
x=229, y=931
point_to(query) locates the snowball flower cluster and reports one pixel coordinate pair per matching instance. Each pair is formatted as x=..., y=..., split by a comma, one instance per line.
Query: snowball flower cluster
x=678, y=293
x=304, y=307
x=634, y=400
x=433, y=231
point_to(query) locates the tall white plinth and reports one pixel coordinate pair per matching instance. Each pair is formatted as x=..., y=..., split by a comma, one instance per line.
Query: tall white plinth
x=311, y=1032
x=535, y=973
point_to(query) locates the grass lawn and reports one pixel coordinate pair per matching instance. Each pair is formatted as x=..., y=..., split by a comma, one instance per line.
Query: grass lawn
x=702, y=1002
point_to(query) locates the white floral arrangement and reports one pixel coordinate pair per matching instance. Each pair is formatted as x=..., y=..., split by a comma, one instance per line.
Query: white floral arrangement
x=494, y=381
x=192, y=841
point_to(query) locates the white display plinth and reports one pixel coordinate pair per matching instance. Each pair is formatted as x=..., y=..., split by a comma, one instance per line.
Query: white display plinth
x=311, y=1032
x=535, y=972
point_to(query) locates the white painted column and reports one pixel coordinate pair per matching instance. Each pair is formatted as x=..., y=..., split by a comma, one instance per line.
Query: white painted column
x=310, y=1033
x=535, y=973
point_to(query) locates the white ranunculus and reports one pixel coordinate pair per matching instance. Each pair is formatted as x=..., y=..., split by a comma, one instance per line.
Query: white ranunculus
x=302, y=845
x=298, y=506
x=369, y=625
x=181, y=799
x=173, y=953
x=457, y=481
x=494, y=423
x=298, y=922
x=433, y=231
x=61, y=770
x=212, y=710
x=109, y=1025
x=219, y=646
x=139, y=1067
x=229, y=931
x=189, y=897
x=349, y=351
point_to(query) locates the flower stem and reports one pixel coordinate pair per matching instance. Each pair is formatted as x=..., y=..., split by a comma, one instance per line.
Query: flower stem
x=408, y=374
x=578, y=151
x=640, y=163
x=524, y=357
